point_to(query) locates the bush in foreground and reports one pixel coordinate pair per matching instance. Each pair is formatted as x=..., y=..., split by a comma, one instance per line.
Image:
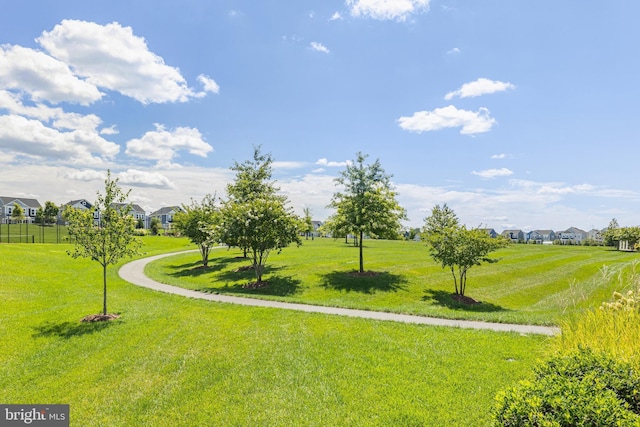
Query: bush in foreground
x=581, y=388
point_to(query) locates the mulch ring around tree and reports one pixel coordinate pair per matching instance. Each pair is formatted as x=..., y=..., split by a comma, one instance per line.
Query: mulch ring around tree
x=463, y=299
x=255, y=285
x=100, y=317
x=243, y=268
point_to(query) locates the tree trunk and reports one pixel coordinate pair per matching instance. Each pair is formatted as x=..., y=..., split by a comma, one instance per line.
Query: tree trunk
x=361, y=257
x=104, y=281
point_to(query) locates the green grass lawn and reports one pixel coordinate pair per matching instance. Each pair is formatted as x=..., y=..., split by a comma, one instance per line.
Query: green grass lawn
x=531, y=284
x=173, y=361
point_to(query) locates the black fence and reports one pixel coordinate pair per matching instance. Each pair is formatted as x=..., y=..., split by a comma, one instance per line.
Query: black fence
x=33, y=233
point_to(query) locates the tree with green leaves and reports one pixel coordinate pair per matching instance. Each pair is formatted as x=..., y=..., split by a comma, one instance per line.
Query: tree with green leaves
x=193, y=221
x=154, y=226
x=366, y=204
x=109, y=239
x=253, y=180
x=610, y=235
x=50, y=212
x=17, y=213
x=307, y=226
x=254, y=217
x=453, y=245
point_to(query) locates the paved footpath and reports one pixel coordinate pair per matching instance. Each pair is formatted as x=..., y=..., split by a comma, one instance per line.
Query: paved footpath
x=134, y=272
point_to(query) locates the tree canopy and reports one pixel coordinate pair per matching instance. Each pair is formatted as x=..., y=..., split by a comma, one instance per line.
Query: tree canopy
x=108, y=239
x=254, y=217
x=367, y=203
x=453, y=245
x=195, y=222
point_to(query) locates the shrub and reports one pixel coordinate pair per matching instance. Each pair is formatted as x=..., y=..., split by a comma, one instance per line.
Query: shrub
x=140, y=232
x=581, y=388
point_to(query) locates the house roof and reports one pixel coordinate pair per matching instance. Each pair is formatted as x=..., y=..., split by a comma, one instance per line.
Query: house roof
x=167, y=210
x=134, y=207
x=75, y=202
x=31, y=203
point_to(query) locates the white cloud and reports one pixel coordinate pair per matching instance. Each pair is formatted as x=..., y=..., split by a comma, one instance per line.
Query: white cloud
x=471, y=122
x=288, y=165
x=382, y=10
x=163, y=145
x=32, y=138
x=335, y=17
x=493, y=173
x=479, y=87
x=454, y=51
x=319, y=47
x=331, y=164
x=43, y=77
x=138, y=178
x=499, y=156
x=111, y=130
x=112, y=57
x=209, y=84
x=85, y=175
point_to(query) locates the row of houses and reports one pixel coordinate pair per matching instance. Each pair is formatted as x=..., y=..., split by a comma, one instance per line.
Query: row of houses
x=30, y=208
x=570, y=236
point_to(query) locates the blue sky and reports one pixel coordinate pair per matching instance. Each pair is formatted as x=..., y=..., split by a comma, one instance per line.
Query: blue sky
x=516, y=114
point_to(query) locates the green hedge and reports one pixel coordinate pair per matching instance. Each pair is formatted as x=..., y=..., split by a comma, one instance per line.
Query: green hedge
x=581, y=388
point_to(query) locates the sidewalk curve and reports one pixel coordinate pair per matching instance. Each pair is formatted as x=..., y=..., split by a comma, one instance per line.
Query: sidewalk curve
x=133, y=272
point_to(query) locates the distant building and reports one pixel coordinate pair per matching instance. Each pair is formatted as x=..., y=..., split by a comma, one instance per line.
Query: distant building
x=29, y=206
x=572, y=236
x=165, y=215
x=516, y=236
x=540, y=237
x=491, y=232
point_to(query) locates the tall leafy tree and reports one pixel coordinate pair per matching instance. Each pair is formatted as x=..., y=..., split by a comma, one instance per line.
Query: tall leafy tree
x=454, y=246
x=254, y=217
x=194, y=221
x=17, y=213
x=111, y=238
x=367, y=204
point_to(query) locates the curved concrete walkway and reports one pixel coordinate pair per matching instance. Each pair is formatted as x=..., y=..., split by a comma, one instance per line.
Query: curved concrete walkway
x=134, y=272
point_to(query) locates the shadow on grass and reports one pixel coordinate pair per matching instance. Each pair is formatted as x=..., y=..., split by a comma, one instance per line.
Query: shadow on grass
x=369, y=282
x=276, y=285
x=196, y=269
x=70, y=329
x=445, y=299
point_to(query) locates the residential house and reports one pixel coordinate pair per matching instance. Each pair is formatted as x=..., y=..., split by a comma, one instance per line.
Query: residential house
x=138, y=213
x=596, y=236
x=29, y=206
x=572, y=236
x=165, y=215
x=77, y=204
x=516, y=236
x=316, y=225
x=491, y=232
x=541, y=237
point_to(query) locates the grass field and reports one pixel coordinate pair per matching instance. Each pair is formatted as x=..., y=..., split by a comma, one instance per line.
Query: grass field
x=533, y=284
x=172, y=361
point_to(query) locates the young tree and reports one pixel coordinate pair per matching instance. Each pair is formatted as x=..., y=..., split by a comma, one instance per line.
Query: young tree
x=109, y=240
x=454, y=246
x=367, y=204
x=253, y=180
x=255, y=218
x=50, y=212
x=307, y=222
x=610, y=235
x=193, y=221
x=154, y=226
x=264, y=224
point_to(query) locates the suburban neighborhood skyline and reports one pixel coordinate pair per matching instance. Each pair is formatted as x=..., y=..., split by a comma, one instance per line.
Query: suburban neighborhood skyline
x=513, y=124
